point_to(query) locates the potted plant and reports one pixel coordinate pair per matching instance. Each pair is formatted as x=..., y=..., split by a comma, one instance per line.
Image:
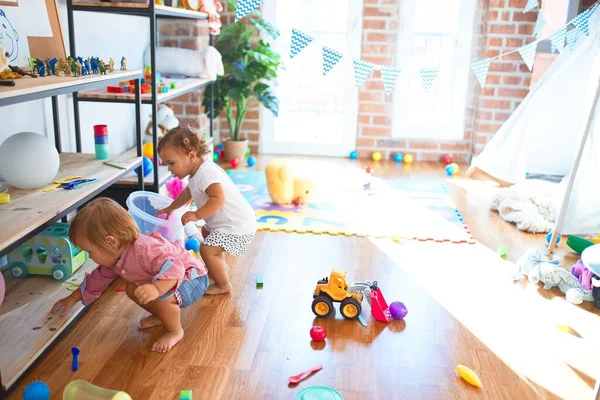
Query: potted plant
x=249, y=70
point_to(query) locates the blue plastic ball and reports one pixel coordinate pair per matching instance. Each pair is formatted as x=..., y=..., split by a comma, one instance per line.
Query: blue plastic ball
x=398, y=157
x=221, y=146
x=192, y=244
x=146, y=165
x=36, y=391
x=251, y=161
x=549, y=236
x=450, y=169
x=353, y=155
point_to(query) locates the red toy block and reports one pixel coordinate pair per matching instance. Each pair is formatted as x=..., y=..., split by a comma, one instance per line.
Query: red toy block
x=115, y=89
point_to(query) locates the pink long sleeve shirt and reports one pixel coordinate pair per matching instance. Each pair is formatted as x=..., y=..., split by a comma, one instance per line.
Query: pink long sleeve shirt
x=148, y=259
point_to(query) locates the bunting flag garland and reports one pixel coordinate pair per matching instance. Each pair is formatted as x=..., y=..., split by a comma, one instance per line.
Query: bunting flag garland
x=299, y=41
x=558, y=39
x=540, y=23
x=531, y=4
x=389, y=76
x=428, y=77
x=481, y=68
x=572, y=37
x=582, y=21
x=528, y=53
x=362, y=70
x=330, y=59
x=245, y=7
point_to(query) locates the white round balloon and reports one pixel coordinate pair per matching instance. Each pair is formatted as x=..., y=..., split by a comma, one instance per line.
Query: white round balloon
x=28, y=160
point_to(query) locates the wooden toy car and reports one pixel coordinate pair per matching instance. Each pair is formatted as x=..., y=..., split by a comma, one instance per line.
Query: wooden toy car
x=48, y=253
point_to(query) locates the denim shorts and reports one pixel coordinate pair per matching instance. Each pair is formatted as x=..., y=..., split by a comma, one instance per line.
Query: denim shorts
x=190, y=291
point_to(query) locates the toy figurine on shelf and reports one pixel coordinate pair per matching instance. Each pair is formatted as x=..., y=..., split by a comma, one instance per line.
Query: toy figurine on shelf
x=21, y=71
x=78, y=68
x=41, y=68
x=111, y=65
x=52, y=65
x=86, y=67
x=123, y=64
x=102, y=67
x=63, y=66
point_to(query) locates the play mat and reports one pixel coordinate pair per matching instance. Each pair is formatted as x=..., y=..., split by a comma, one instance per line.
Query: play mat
x=394, y=208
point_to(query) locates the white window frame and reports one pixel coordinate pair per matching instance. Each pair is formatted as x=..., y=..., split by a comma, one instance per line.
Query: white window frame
x=402, y=128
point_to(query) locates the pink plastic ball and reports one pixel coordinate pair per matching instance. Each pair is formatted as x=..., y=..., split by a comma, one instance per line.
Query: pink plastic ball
x=234, y=162
x=398, y=310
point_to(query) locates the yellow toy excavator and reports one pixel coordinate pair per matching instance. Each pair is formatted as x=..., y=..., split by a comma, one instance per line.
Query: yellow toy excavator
x=335, y=289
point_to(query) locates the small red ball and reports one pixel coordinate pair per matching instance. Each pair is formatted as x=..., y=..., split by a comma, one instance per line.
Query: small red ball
x=234, y=162
x=318, y=333
x=447, y=160
x=369, y=170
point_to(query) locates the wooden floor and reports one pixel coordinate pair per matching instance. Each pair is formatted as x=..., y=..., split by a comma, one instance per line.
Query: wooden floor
x=463, y=308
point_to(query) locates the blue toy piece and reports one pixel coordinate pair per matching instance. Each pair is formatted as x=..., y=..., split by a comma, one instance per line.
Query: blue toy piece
x=221, y=147
x=36, y=391
x=75, y=363
x=549, y=237
x=450, y=169
x=146, y=165
x=48, y=253
x=251, y=161
x=192, y=244
x=353, y=155
x=398, y=157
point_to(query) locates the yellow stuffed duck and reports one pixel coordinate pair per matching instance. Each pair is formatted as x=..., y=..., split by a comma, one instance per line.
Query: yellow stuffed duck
x=284, y=188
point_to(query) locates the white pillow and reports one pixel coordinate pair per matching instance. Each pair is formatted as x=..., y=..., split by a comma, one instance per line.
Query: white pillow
x=203, y=63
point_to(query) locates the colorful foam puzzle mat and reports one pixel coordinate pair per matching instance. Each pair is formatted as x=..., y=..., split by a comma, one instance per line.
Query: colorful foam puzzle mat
x=369, y=207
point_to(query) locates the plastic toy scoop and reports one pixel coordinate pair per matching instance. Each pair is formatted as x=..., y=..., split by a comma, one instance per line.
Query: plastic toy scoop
x=298, y=378
x=80, y=389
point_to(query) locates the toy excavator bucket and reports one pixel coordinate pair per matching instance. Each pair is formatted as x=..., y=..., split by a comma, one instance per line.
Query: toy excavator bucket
x=379, y=308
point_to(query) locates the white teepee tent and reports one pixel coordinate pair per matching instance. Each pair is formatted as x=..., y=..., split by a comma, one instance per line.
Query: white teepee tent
x=556, y=131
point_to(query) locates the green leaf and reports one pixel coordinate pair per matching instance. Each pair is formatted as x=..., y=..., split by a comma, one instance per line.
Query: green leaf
x=266, y=97
x=264, y=26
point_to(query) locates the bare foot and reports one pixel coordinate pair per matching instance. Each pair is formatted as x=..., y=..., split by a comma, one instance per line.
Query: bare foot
x=215, y=288
x=149, y=322
x=167, y=340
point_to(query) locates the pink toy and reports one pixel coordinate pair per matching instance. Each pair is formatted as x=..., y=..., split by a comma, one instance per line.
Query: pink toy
x=379, y=308
x=234, y=162
x=398, y=310
x=2, y=288
x=174, y=187
x=582, y=273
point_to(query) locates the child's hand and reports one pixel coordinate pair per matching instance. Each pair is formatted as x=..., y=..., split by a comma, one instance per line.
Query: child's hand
x=189, y=216
x=146, y=293
x=168, y=210
x=65, y=304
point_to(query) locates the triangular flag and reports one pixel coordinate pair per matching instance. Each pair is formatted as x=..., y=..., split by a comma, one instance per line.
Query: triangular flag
x=528, y=53
x=481, y=68
x=531, y=4
x=428, y=77
x=557, y=39
x=594, y=8
x=299, y=41
x=389, y=76
x=540, y=23
x=245, y=7
x=330, y=59
x=582, y=22
x=572, y=37
x=362, y=70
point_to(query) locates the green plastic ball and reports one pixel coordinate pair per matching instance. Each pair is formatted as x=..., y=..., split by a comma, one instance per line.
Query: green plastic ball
x=215, y=156
x=247, y=151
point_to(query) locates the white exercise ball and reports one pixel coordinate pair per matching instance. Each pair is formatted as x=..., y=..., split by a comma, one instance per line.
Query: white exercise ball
x=28, y=160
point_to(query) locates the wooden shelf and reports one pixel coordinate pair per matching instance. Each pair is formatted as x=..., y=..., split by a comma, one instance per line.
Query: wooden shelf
x=132, y=178
x=26, y=323
x=30, y=211
x=27, y=88
x=183, y=86
x=138, y=9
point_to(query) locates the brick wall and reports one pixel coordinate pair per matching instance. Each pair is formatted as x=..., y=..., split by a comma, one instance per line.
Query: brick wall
x=506, y=29
x=192, y=35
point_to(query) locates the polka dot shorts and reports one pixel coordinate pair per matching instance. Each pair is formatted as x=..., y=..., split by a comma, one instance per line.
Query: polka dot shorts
x=236, y=245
